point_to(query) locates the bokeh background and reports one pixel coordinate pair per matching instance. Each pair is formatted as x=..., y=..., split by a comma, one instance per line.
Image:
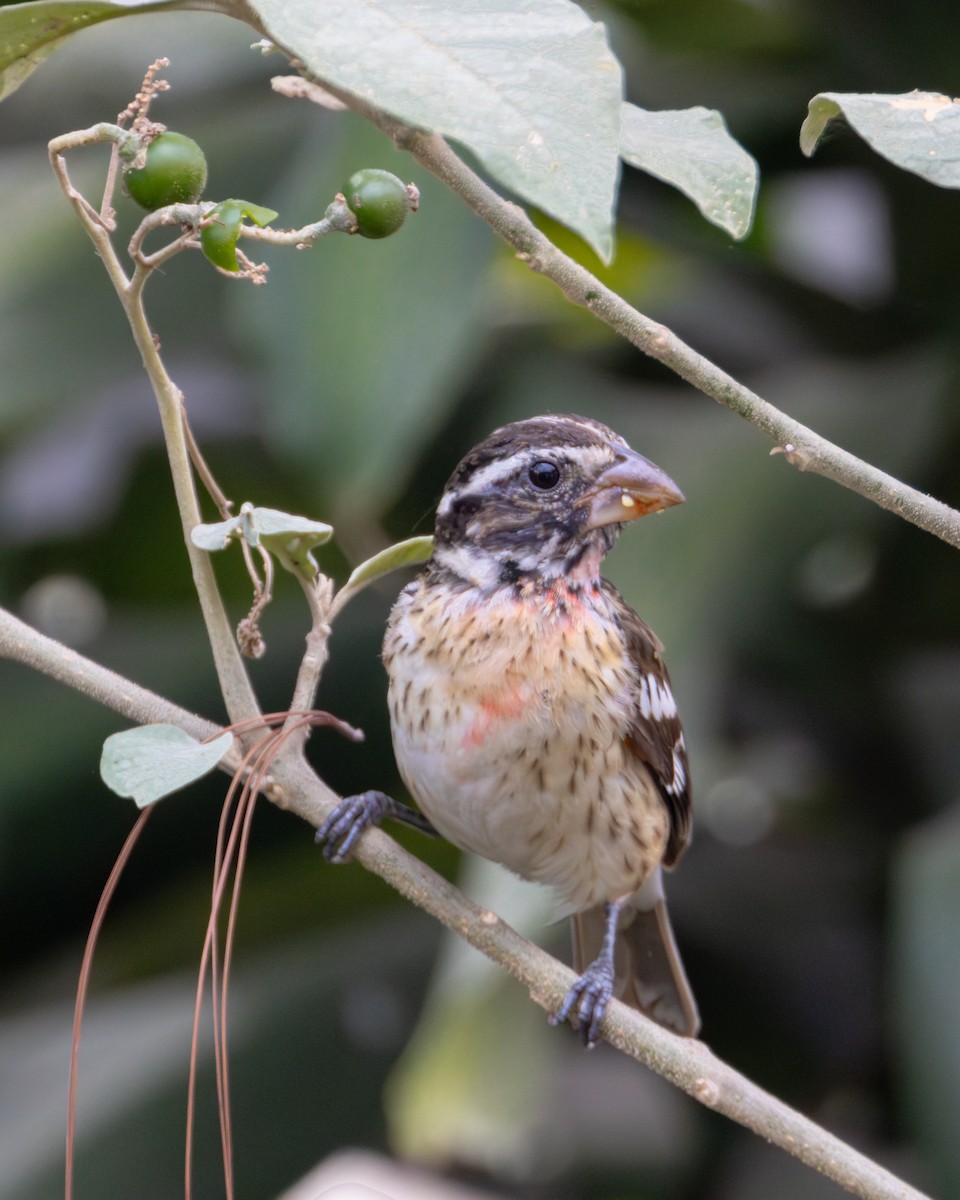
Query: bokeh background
x=812, y=638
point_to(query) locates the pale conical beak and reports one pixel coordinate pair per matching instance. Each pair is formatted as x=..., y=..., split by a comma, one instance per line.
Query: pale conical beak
x=631, y=488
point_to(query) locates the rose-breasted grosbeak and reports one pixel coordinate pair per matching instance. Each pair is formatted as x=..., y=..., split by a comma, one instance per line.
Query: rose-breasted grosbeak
x=532, y=715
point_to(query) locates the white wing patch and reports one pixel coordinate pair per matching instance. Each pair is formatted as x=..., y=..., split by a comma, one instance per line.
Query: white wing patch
x=678, y=784
x=656, y=699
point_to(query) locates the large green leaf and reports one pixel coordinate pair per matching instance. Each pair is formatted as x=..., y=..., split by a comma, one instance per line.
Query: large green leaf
x=531, y=89
x=692, y=149
x=919, y=131
x=29, y=33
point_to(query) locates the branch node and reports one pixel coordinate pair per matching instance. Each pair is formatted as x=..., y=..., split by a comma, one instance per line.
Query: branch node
x=660, y=340
x=707, y=1092
x=796, y=456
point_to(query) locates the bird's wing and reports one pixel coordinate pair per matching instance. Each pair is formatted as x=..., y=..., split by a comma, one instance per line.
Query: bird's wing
x=656, y=735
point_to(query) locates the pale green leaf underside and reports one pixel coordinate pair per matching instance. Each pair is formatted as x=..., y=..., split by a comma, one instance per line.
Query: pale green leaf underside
x=29, y=33
x=401, y=554
x=918, y=131
x=289, y=537
x=152, y=761
x=215, y=536
x=256, y=523
x=271, y=522
x=691, y=149
x=531, y=89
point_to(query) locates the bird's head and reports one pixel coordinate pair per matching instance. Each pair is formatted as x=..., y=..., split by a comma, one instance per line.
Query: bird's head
x=543, y=498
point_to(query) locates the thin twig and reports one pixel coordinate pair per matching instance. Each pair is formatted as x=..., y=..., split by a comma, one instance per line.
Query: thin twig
x=223, y=505
x=319, y=597
x=238, y=693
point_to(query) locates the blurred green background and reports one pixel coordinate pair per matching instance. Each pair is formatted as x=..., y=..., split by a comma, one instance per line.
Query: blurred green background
x=812, y=638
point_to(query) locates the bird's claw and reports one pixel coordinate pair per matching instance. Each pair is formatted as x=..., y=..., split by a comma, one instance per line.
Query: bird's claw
x=588, y=999
x=353, y=816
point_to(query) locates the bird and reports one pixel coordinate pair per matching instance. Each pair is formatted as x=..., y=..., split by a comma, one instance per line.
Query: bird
x=532, y=716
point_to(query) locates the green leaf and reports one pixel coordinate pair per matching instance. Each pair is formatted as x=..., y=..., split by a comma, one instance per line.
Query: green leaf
x=215, y=536
x=691, y=149
x=255, y=212
x=29, y=33
x=271, y=522
x=291, y=539
x=401, y=554
x=218, y=240
x=288, y=537
x=152, y=761
x=532, y=89
x=918, y=131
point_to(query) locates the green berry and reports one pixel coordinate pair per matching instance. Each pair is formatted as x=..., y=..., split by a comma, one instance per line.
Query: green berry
x=175, y=173
x=378, y=200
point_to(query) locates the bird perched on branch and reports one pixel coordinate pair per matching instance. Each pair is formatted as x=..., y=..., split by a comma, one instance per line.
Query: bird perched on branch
x=532, y=716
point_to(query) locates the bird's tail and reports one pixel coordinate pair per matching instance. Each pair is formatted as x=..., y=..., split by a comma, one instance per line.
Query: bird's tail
x=649, y=972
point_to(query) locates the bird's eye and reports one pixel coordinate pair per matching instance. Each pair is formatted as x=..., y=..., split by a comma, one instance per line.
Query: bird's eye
x=544, y=475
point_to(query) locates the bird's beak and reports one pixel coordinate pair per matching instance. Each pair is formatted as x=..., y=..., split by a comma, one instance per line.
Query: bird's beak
x=631, y=488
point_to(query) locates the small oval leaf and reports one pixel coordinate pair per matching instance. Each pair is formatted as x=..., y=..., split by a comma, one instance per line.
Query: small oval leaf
x=691, y=149
x=152, y=761
x=256, y=212
x=401, y=554
x=271, y=522
x=216, y=536
x=918, y=131
x=218, y=240
x=291, y=539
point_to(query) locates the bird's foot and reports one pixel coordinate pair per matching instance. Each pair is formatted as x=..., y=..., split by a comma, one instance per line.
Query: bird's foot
x=588, y=999
x=355, y=814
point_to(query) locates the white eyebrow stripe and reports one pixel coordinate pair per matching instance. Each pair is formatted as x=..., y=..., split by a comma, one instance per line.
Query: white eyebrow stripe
x=495, y=472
